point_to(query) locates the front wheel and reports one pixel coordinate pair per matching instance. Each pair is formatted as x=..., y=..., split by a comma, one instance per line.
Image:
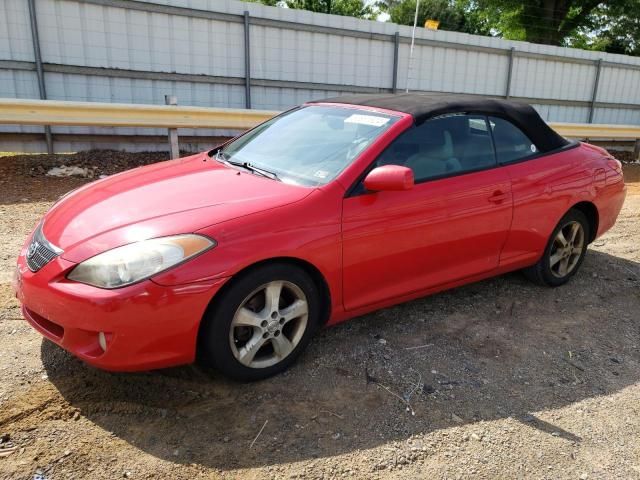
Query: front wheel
x=261, y=323
x=564, y=253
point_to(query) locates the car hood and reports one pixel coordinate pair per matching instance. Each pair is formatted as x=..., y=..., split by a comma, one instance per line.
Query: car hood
x=177, y=196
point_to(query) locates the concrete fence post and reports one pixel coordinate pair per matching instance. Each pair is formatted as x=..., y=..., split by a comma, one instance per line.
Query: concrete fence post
x=35, y=40
x=247, y=61
x=174, y=148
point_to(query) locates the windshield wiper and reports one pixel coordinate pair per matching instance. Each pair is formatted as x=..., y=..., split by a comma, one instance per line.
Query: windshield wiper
x=252, y=168
x=224, y=157
x=261, y=171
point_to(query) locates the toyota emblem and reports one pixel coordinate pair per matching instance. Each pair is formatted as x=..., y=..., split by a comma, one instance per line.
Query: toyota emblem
x=32, y=249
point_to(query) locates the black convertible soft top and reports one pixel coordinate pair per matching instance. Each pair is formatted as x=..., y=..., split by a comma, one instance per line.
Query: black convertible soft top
x=424, y=106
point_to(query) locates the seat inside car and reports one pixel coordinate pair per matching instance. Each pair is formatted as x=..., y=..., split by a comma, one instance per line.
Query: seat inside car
x=472, y=143
x=435, y=156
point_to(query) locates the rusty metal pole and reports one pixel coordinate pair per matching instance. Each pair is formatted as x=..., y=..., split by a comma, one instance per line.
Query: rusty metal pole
x=35, y=40
x=594, y=94
x=247, y=61
x=396, y=48
x=512, y=52
x=174, y=148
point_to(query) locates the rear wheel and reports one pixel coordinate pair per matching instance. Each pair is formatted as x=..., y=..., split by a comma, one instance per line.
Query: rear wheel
x=262, y=323
x=564, y=253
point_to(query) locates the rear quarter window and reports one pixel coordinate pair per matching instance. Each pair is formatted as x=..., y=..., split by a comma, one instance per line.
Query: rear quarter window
x=511, y=143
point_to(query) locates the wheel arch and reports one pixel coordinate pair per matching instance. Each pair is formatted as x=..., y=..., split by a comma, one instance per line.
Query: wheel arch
x=591, y=212
x=314, y=273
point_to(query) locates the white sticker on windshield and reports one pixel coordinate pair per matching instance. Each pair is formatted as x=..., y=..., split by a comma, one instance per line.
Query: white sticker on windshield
x=371, y=120
x=321, y=174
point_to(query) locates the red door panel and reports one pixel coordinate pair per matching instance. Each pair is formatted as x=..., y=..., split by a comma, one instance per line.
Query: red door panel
x=543, y=190
x=396, y=243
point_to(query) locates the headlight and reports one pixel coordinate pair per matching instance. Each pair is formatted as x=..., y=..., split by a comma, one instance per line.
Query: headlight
x=134, y=262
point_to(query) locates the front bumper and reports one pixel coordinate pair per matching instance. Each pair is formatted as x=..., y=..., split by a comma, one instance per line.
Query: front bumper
x=145, y=325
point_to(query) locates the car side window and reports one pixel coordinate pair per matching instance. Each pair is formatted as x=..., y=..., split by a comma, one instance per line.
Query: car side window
x=511, y=143
x=443, y=146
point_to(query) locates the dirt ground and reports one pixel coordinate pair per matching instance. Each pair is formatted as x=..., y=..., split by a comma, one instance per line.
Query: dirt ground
x=498, y=379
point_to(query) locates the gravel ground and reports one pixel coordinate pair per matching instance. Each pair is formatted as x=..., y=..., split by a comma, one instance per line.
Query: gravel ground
x=94, y=162
x=498, y=379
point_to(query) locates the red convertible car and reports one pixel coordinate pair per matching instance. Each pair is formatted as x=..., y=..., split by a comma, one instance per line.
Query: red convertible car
x=328, y=211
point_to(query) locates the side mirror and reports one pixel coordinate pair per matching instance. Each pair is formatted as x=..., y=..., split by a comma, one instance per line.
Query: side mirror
x=389, y=178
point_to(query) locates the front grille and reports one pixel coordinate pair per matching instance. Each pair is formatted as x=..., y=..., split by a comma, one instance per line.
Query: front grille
x=38, y=256
x=40, y=251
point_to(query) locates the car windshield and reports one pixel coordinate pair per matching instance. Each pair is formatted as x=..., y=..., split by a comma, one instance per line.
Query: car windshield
x=307, y=146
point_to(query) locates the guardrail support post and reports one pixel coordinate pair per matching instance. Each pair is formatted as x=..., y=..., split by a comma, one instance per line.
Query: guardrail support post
x=174, y=148
x=512, y=53
x=596, y=82
x=396, y=47
x=247, y=61
x=35, y=40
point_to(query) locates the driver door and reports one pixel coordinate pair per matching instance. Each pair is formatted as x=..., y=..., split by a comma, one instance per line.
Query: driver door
x=450, y=226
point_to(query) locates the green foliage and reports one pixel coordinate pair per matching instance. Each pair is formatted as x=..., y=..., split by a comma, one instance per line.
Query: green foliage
x=270, y=3
x=536, y=21
x=581, y=23
x=454, y=16
x=613, y=28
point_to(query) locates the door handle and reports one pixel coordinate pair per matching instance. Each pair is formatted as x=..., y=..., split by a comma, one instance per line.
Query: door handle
x=498, y=197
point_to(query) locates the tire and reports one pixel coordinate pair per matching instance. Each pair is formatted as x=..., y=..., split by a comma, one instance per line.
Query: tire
x=548, y=271
x=246, y=336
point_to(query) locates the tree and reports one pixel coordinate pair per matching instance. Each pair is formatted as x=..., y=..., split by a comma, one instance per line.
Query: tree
x=613, y=29
x=609, y=25
x=451, y=15
x=540, y=21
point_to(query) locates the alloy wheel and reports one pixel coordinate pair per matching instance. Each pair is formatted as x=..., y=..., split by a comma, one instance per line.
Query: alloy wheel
x=566, y=249
x=269, y=324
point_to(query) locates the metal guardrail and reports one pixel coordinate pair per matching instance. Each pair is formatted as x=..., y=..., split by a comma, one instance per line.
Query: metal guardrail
x=94, y=114
x=52, y=112
x=594, y=130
